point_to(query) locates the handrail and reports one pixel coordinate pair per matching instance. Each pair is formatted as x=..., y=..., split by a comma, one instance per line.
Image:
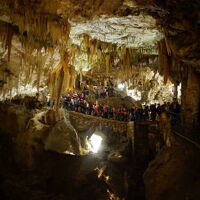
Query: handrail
x=187, y=139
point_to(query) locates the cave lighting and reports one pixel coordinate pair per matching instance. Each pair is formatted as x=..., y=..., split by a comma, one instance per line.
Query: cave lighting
x=135, y=94
x=95, y=143
x=121, y=86
x=179, y=91
x=171, y=89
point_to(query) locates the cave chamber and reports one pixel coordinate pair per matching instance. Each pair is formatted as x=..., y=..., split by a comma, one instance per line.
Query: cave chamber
x=99, y=100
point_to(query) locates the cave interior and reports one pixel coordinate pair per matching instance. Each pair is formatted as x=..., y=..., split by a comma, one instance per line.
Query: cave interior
x=147, y=52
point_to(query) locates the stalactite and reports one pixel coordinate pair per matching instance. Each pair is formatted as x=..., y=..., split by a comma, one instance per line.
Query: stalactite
x=166, y=69
x=40, y=66
x=93, y=47
x=86, y=41
x=72, y=77
x=164, y=60
x=54, y=29
x=61, y=78
x=73, y=52
x=55, y=81
x=169, y=52
x=93, y=50
x=99, y=56
x=9, y=40
x=4, y=34
x=126, y=62
x=107, y=59
x=86, y=45
x=81, y=76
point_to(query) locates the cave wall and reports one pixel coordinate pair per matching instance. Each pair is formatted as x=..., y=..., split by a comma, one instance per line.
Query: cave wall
x=180, y=49
x=174, y=173
x=32, y=132
x=190, y=100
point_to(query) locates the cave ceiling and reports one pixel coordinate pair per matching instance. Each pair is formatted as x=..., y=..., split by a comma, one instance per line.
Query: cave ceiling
x=121, y=22
x=130, y=31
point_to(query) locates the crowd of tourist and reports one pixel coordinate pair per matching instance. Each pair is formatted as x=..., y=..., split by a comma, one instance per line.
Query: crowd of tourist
x=97, y=92
x=79, y=102
x=100, y=90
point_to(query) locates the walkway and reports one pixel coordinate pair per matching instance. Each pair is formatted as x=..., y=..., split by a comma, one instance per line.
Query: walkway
x=83, y=122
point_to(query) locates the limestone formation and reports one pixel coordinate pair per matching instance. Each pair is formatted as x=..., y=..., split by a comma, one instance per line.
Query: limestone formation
x=147, y=50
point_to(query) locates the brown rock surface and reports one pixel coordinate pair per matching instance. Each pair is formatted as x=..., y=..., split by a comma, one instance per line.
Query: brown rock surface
x=174, y=174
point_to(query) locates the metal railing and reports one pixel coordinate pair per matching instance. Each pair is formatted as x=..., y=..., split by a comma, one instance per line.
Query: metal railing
x=181, y=131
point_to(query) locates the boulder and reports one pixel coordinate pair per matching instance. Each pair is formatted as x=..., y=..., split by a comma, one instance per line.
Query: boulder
x=174, y=174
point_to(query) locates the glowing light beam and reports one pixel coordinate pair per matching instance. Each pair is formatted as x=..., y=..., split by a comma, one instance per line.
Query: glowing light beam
x=95, y=143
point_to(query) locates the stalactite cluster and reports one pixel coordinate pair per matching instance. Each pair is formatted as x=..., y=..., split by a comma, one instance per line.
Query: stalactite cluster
x=37, y=34
x=40, y=32
x=104, y=57
x=31, y=69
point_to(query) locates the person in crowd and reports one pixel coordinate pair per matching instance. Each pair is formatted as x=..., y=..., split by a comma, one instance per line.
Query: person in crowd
x=95, y=110
x=174, y=106
x=109, y=91
x=87, y=108
x=153, y=112
x=158, y=109
x=72, y=104
x=146, y=113
x=174, y=110
x=132, y=113
x=96, y=93
x=102, y=93
x=86, y=93
x=76, y=104
x=90, y=108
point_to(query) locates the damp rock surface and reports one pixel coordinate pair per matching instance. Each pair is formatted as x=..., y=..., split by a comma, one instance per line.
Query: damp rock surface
x=174, y=173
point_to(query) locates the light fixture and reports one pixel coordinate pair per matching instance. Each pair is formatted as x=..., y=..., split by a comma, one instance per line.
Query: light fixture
x=95, y=143
x=121, y=86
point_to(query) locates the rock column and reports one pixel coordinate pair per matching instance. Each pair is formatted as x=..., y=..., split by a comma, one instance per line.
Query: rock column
x=191, y=100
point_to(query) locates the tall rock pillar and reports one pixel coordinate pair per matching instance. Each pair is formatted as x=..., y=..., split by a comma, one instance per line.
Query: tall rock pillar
x=191, y=100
